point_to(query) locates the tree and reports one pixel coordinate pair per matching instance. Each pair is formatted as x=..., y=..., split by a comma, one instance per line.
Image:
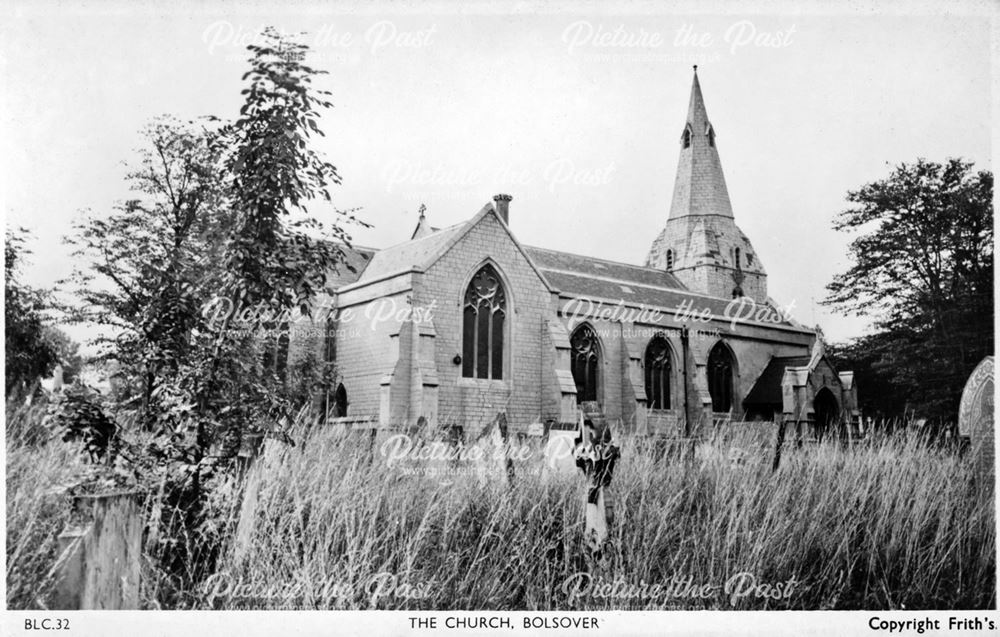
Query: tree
x=274, y=258
x=277, y=256
x=218, y=212
x=148, y=268
x=878, y=398
x=29, y=355
x=923, y=270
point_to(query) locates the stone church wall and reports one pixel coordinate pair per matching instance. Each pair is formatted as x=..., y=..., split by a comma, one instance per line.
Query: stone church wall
x=366, y=351
x=622, y=390
x=469, y=402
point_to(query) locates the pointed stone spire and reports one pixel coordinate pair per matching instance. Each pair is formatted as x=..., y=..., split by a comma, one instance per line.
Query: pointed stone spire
x=700, y=186
x=701, y=245
x=697, y=115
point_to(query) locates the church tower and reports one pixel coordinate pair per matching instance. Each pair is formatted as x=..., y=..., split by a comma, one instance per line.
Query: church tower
x=701, y=244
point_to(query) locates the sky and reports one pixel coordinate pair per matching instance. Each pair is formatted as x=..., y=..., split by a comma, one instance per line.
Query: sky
x=574, y=110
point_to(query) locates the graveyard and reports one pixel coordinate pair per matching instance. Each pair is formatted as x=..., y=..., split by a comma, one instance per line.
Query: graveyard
x=889, y=522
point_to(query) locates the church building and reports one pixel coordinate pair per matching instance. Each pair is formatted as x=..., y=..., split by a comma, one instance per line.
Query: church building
x=457, y=325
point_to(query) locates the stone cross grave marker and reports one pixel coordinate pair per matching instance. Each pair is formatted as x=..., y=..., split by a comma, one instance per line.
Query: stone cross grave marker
x=975, y=414
x=596, y=455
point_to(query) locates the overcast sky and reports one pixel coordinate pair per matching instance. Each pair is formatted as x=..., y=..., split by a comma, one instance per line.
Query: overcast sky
x=577, y=113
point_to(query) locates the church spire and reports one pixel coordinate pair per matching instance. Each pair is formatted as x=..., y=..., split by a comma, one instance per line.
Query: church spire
x=700, y=186
x=701, y=245
x=697, y=115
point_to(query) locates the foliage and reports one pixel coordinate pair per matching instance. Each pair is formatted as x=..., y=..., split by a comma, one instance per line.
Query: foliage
x=923, y=269
x=877, y=396
x=277, y=257
x=148, y=268
x=219, y=220
x=78, y=416
x=28, y=353
x=272, y=258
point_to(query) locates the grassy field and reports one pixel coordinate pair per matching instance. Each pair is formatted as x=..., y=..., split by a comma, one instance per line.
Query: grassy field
x=889, y=524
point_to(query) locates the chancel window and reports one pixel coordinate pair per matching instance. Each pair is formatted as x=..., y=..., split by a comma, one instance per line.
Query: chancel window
x=720, y=378
x=483, y=316
x=585, y=362
x=657, y=368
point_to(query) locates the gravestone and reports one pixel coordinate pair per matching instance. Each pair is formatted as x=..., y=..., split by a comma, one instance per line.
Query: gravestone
x=975, y=415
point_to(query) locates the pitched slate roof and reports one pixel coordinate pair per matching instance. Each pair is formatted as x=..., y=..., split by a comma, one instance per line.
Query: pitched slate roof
x=633, y=293
x=583, y=277
x=416, y=252
x=551, y=260
x=356, y=260
x=573, y=275
x=767, y=389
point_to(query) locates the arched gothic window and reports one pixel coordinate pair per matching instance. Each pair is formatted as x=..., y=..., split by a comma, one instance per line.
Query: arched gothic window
x=720, y=378
x=711, y=136
x=483, y=315
x=686, y=138
x=670, y=259
x=585, y=362
x=657, y=368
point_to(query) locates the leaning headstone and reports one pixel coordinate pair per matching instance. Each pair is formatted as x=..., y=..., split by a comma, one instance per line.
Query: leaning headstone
x=975, y=415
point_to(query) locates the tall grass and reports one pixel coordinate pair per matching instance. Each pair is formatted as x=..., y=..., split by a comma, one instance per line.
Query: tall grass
x=889, y=524
x=39, y=472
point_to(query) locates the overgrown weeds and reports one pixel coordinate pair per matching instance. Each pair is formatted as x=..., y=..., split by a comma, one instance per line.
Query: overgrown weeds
x=892, y=522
